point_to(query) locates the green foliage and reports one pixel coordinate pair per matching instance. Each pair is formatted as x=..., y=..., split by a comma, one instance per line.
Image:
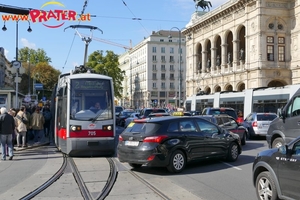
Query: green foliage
x=108, y=65
x=36, y=65
x=33, y=56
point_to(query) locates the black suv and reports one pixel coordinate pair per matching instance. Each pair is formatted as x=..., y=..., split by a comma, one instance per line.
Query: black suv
x=174, y=141
x=276, y=172
x=218, y=111
x=229, y=123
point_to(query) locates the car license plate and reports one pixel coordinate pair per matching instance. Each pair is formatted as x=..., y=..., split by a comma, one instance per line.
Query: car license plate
x=132, y=143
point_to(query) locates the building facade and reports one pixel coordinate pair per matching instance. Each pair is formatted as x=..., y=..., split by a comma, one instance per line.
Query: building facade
x=243, y=44
x=155, y=71
x=8, y=82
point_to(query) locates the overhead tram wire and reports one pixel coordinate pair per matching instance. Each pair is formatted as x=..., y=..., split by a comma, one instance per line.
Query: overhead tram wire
x=138, y=18
x=82, y=12
x=135, y=17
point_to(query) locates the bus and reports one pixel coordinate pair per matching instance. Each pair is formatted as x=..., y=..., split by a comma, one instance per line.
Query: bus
x=262, y=99
x=79, y=128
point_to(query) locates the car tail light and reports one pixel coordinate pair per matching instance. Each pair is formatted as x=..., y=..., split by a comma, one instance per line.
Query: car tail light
x=120, y=138
x=155, y=139
x=254, y=124
x=151, y=157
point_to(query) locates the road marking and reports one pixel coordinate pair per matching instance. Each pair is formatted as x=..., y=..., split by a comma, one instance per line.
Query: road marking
x=237, y=168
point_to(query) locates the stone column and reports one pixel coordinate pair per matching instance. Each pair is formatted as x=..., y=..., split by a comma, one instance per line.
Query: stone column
x=224, y=56
x=204, y=61
x=213, y=58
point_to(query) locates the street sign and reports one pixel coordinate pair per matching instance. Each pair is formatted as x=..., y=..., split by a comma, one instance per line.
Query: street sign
x=38, y=86
x=16, y=64
x=44, y=99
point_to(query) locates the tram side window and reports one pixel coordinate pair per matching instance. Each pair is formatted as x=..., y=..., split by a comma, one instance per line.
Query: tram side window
x=294, y=108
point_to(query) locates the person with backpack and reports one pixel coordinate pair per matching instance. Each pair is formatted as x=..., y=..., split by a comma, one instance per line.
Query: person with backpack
x=47, y=116
x=21, y=122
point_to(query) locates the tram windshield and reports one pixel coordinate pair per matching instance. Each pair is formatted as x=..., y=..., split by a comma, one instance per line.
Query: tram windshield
x=91, y=99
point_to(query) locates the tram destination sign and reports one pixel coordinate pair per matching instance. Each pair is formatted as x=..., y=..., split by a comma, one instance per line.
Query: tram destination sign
x=90, y=84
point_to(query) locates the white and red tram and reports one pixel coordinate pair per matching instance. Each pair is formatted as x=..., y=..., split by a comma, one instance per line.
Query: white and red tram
x=79, y=128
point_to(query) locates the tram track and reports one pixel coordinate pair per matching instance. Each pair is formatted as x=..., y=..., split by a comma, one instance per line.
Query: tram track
x=69, y=161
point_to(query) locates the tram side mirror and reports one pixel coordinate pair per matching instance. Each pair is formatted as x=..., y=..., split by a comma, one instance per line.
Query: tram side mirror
x=60, y=92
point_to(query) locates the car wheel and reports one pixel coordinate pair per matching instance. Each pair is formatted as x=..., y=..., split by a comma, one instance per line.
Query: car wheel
x=177, y=162
x=265, y=187
x=133, y=165
x=244, y=138
x=233, y=152
x=278, y=142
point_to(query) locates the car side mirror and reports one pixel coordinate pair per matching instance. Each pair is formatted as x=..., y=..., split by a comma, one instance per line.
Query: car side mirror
x=283, y=149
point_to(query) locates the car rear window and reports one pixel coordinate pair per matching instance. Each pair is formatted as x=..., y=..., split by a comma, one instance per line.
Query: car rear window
x=119, y=109
x=219, y=112
x=142, y=128
x=266, y=117
x=147, y=112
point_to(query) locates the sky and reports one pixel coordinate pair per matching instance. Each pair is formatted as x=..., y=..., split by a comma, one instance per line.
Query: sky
x=122, y=23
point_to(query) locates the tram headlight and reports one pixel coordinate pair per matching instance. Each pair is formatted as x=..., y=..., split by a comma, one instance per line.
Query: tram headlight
x=107, y=128
x=75, y=128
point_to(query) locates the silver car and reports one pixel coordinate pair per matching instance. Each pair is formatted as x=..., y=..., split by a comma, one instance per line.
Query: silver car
x=258, y=123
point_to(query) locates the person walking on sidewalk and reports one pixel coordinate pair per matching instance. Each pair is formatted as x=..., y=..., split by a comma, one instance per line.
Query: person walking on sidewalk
x=7, y=123
x=37, y=124
x=21, y=126
x=47, y=116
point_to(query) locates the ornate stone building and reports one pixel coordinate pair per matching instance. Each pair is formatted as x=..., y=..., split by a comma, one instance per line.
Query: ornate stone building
x=243, y=44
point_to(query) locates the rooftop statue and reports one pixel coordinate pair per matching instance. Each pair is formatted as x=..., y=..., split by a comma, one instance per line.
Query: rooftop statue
x=203, y=4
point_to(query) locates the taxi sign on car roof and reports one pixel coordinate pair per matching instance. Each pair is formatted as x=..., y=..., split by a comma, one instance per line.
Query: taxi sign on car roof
x=178, y=113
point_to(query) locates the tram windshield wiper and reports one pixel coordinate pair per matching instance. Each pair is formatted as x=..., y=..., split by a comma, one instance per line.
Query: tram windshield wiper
x=98, y=115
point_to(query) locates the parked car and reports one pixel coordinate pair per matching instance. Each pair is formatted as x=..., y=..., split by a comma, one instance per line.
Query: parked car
x=146, y=111
x=229, y=123
x=285, y=128
x=131, y=118
x=123, y=116
x=258, y=123
x=172, y=142
x=276, y=172
x=218, y=111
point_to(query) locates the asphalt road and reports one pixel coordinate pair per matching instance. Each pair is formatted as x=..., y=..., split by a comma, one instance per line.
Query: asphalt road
x=212, y=180
x=208, y=180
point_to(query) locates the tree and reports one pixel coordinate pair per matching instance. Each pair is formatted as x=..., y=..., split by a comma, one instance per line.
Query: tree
x=33, y=56
x=46, y=74
x=42, y=73
x=108, y=65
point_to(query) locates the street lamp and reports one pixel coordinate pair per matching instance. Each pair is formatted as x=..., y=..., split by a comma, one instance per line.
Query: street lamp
x=16, y=63
x=180, y=52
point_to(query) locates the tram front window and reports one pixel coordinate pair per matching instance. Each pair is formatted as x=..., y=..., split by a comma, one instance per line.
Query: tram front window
x=91, y=99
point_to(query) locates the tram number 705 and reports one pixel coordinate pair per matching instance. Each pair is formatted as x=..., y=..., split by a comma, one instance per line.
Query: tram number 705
x=92, y=133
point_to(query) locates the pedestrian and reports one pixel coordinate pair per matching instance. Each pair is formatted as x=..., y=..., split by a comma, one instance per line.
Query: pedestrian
x=21, y=122
x=13, y=112
x=8, y=126
x=37, y=124
x=28, y=133
x=47, y=116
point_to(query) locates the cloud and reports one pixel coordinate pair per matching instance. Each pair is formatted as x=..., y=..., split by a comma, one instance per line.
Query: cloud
x=26, y=43
x=6, y=54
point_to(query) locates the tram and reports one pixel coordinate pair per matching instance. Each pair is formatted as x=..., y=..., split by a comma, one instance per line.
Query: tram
x=80, y=129
x=262, y=99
